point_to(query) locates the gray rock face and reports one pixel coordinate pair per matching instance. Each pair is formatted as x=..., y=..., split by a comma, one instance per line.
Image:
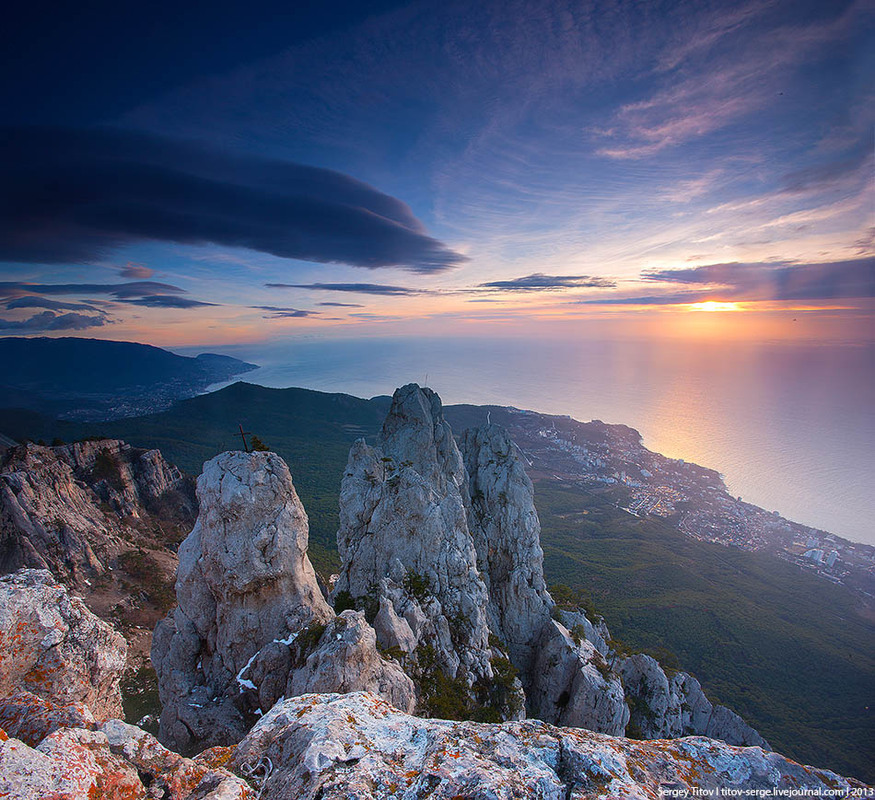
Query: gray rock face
x=666, y=708
x=337, y=747
x=244, y=581
x=507, y=532
x=52, y=646
x=128, y=480
x=573, y=685
x=404, y=538
x=598, y=634
x=246, y=593
x=345, y=659
x=64, y=508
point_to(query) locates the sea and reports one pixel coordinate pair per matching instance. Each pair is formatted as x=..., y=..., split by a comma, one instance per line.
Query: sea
x=790, y=427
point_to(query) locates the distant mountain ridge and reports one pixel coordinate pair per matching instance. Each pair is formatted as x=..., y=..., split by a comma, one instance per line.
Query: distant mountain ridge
x=94, y=379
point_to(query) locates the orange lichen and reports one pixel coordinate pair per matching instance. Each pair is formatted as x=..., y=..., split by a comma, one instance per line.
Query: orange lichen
x=215, y=757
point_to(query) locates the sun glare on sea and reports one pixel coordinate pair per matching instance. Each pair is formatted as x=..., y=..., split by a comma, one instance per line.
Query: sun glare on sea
x=714, y=305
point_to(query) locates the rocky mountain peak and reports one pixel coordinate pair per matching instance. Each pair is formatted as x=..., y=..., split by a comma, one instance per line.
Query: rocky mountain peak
x=506, y=531
x=415, y=433
x=250, y=624
x=441, y=600
x=443, y=544
x=405, y=543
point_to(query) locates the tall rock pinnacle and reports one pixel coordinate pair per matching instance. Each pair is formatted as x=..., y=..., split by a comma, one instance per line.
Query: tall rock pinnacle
x=244, y=581
x=507, y=535
x=405, y=543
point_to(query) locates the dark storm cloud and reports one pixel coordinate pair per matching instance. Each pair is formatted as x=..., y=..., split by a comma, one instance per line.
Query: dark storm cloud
x=767, y=281
x=359, y=288
x=50, y=321
x=44, y=302
x=165, y=301
x=75, y=195
x=538, y=282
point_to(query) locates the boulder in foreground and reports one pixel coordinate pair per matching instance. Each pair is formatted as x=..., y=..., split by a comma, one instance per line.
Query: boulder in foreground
x=357, y=747
x=52, y=646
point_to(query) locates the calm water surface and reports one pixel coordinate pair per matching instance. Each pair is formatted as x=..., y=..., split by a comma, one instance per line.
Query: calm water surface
x=790, y=427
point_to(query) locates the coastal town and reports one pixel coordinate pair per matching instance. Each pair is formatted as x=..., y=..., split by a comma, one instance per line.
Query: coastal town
x=612, y=459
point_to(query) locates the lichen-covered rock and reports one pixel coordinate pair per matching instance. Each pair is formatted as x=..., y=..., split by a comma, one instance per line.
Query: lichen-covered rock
x=244, y=581
x=664, y=707
x=30, y=718
x=357, y=747
x=69, y=764
x=573, y=685
x=171, y=776
x=52, y=646
x=404, y=538
x=117, y=762
x=506, y=530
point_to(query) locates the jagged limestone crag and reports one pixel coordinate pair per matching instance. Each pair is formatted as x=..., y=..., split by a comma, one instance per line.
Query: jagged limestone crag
x=356, y=747
x=70, y=508
x=573, y=685
x=246, y=591
x=405, y=544
x=440, y=553
x=668, y=707
x=53, y=647
x=507, y=537
x=244, y=580
x=431, y=534
x=346, y=658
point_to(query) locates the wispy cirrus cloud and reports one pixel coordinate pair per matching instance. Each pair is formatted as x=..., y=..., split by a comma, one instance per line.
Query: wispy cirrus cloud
x=75, y=195
x=165, y=301
x=727, y=84
x=754, y=282
x=341, y=305
x=538, y=282
x=146, y=294
x=357, y=288
x=283, y=312
x=825, y=281
x=117, y=290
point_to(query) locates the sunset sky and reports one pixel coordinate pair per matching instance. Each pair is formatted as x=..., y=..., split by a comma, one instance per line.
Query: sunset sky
x=235, y=172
